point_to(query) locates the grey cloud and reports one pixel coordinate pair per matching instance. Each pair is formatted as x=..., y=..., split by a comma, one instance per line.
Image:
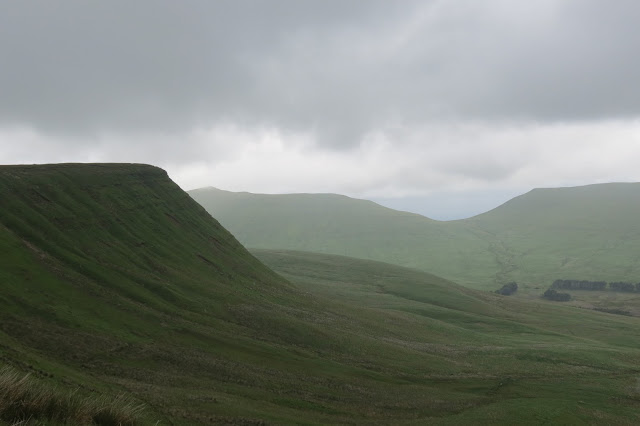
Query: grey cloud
x=339, y=69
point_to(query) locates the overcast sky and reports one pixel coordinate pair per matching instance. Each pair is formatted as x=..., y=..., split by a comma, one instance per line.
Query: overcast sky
x=445, y=107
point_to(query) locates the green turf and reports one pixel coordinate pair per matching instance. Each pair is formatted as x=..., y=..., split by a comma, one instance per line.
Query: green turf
x=114, y=280
x=541, y=362
x=588, y=233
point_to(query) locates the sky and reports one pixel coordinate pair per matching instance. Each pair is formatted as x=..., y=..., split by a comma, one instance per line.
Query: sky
x=443, y=107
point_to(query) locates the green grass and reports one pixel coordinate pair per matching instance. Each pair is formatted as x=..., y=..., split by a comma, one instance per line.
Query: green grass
x=534, y=361
x=24, y=400
x=114, y=281
x=585, y=232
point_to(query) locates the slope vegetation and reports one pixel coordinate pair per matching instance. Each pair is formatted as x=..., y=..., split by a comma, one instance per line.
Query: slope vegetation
x=335, y=224
x=115, y=281
x=585, y=233
x=588, y=232
x=531, y=362
x=114, y=270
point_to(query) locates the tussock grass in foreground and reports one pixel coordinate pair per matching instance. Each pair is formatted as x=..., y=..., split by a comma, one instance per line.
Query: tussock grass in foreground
x=23, y=400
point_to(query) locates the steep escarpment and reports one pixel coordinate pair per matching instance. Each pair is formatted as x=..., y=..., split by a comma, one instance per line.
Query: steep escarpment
x=124, y=231
x=105, y=266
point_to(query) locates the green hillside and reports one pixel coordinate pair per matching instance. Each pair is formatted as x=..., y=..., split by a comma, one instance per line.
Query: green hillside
x=109, y=272
x=588, y=232
x=541, y=363
x=115, y=282
x=335, y=224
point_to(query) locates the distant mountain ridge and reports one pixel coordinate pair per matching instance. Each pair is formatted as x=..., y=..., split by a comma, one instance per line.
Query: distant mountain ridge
x=586, y=232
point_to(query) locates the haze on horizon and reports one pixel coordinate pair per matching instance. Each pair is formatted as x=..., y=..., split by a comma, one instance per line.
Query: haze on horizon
x=446, y=108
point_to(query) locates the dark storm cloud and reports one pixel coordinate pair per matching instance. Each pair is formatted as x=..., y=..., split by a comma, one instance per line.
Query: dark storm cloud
x=338, y=69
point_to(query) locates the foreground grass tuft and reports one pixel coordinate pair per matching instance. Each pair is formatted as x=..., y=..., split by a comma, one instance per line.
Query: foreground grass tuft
x=25, y=401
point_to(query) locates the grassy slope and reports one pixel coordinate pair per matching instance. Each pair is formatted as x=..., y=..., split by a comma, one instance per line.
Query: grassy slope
x=589, y=232
x=586, y=232
x=536, y=362
x=113, y=279
x=336, y=224
x=113, y=269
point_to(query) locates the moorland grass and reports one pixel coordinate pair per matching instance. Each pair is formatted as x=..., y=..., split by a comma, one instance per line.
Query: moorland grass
x=558, y=364
x=24, y=400
x=114, y=280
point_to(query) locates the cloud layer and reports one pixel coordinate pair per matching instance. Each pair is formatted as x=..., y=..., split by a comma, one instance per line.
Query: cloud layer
x=371, y=97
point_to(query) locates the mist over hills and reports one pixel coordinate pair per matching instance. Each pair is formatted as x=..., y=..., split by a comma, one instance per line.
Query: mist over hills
x=335, y=224
x=587, y=232
x=113, y=280
x=450, y=205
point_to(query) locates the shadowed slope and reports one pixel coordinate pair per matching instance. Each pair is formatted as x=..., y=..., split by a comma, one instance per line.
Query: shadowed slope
x=122, y=231
x=113, y=269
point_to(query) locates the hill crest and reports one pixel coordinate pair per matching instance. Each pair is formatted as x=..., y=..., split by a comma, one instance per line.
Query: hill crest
x=582, y=232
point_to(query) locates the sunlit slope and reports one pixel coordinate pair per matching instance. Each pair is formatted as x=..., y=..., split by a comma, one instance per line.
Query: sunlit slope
x=551, y=363
x=589, y=232
x=335, y=224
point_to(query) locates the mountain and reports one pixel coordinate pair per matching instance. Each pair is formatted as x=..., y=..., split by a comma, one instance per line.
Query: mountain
x=585, y=233
x=114, y=281
x=335, y=224
x=111, y=272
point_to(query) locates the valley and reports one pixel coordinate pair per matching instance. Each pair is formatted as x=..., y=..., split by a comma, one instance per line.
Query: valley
x=584, y=233
x=116, y=282
x=438, y=222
